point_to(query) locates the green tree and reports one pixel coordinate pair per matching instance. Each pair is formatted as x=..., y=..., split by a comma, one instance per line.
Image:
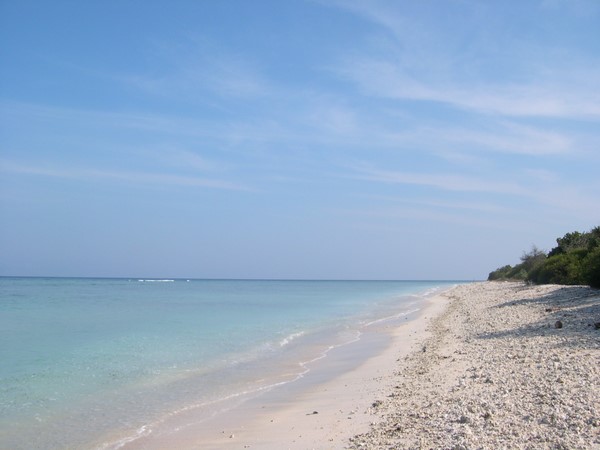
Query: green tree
x=591, y=268
x=500, y=273
x=564, y=268
x=575, y=260
x=533, y=258
x=576, y=241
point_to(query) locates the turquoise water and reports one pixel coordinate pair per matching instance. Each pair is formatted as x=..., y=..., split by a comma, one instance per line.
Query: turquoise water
x=88, y=363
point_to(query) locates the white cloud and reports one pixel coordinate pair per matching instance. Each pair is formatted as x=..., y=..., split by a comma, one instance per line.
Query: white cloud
x=386, y=79
x=444, y=181
x=196, y=68
x=475, y=206
x=131, y=177
x=542, y=175
x=247, y=129
x=173, y=156
x=470, y=62
x=510, y=137
x=542, y=189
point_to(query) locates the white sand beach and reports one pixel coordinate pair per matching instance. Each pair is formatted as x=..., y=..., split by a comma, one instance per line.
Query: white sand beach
x=506, y=366
x=486, y=365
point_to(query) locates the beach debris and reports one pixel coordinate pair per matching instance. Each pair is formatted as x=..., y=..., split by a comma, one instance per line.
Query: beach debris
x=313, y=413
x=519, y=384
x=464, y=419
x=231, y=436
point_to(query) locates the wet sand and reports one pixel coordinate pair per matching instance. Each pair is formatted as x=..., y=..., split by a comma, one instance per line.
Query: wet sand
x=323, y=409
x=485, y=365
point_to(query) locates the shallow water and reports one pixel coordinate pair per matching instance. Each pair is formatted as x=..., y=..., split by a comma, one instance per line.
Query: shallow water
x=94, y=362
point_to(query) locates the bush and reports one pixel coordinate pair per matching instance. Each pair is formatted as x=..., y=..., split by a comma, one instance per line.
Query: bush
x=577, y=241
x=531, y=259
x=575, y=260
x=500, y=274
x=508, y=273
x=517, y=273
x=591, y=268
x=564, y=268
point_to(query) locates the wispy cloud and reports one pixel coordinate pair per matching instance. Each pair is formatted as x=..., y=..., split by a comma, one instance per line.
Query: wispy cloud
x=443, y=181
x=416, y=57
x=130, y=177
x=507, y=137
x=433, y=213
x=438, y=203
x=389, y=80
x=173, y=156
x=233, y=130
x=194, y=68
x=539, y=187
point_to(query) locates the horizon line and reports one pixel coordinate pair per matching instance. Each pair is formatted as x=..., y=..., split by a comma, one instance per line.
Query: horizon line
x=138, y=278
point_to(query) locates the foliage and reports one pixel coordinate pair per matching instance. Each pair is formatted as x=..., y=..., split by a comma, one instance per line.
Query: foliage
x=532, y=259
x=564, y=268
x=575, y=260
x=591, y=267
x=500, y=273
x=576, y=240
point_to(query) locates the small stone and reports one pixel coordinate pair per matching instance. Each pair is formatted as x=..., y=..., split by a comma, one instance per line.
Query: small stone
x=558, y=324
x=597, y=326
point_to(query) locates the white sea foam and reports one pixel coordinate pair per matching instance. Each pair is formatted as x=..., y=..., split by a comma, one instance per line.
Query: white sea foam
x=395, y=316
x=144, y=430
x=285, y=341
x=156, y=281
x=275, y=333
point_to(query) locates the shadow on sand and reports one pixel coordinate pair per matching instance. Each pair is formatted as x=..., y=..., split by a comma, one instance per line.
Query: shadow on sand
x=577, y=308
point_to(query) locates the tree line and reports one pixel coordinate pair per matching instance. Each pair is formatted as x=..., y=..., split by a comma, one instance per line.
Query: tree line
x=575, y=260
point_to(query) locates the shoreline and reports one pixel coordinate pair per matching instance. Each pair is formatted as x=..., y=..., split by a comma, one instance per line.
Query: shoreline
x=484, y=365
x=507, y=365
x=323, y=409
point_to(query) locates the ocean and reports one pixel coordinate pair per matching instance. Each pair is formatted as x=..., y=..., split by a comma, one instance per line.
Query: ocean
x=96, y=363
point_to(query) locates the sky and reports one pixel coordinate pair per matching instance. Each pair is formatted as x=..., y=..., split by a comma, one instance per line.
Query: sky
x=294, y=139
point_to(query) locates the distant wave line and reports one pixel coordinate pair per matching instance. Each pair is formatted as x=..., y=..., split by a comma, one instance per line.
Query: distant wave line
x=156, y=281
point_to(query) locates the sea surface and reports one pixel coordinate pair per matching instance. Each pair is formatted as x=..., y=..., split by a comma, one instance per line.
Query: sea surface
x=96, y=363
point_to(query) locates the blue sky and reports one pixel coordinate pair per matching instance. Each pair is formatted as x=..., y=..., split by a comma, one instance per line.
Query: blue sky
x=296, y=139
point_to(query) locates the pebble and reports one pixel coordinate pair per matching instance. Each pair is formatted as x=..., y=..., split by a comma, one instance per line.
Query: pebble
x=509, y=383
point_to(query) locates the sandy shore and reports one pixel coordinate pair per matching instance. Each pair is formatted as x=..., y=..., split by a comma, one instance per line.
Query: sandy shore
x=484, y=366
x=324, y=409
x=506, y=366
